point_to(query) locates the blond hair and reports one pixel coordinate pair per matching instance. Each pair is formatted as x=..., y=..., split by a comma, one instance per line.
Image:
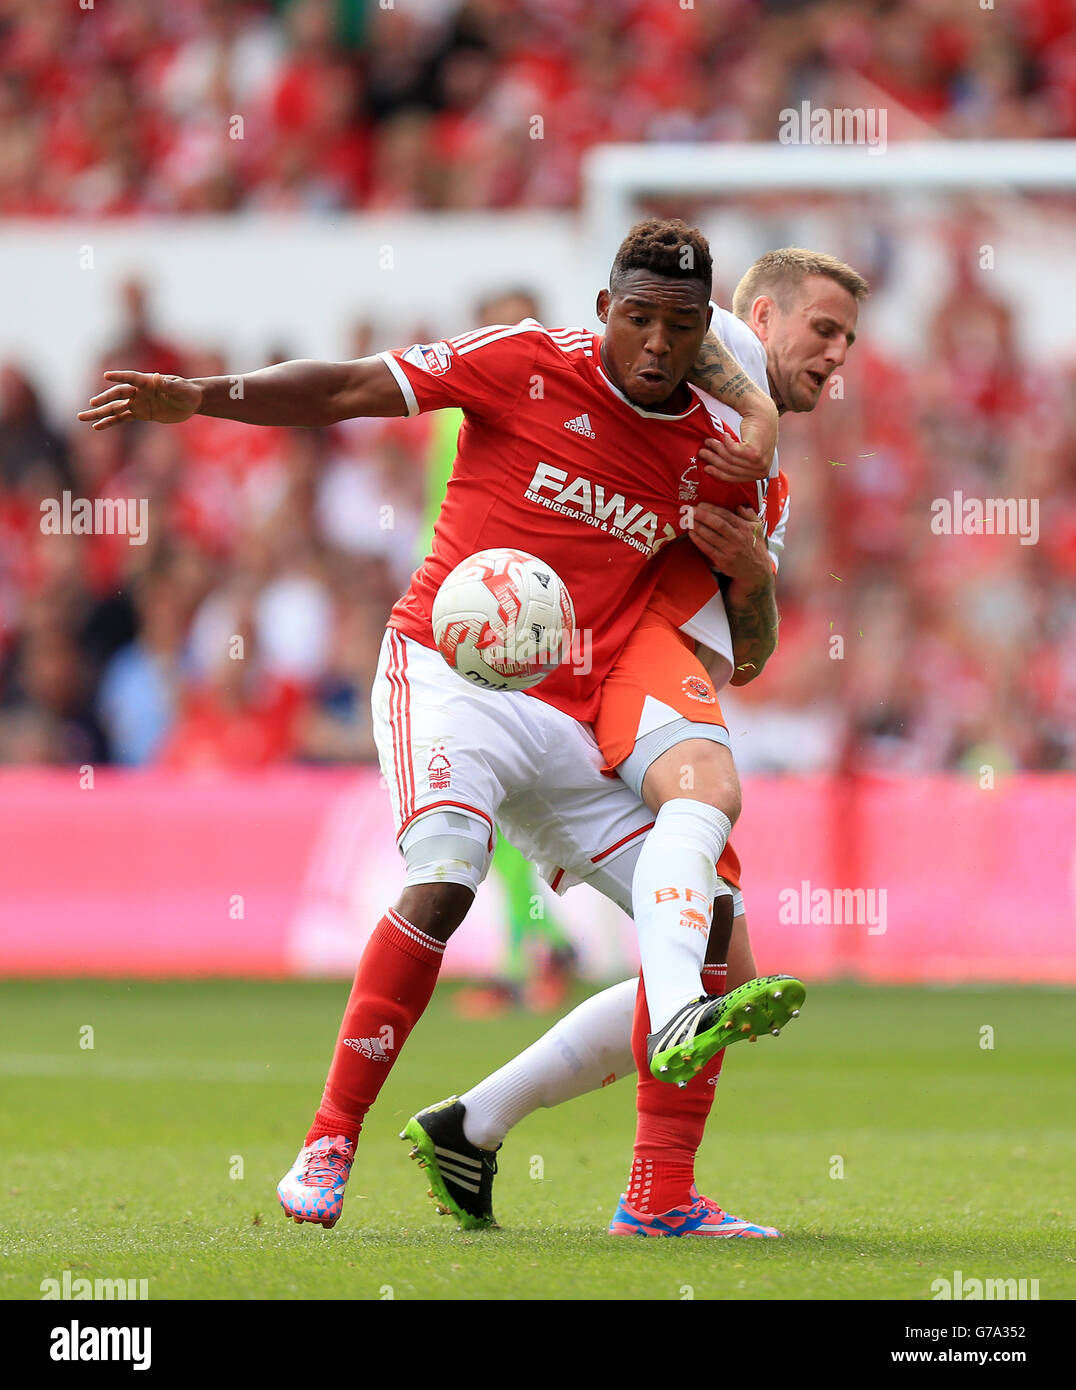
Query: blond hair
x=779, y=273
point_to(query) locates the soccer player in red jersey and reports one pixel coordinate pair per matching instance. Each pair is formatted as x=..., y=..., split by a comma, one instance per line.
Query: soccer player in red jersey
x=573, y=444
x=794, y=321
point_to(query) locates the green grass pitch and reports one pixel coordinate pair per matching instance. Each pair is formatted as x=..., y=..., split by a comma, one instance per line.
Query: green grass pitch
x=155, y=1154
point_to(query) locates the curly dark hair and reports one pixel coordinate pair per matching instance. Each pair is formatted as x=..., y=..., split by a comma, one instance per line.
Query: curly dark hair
x=665, y=246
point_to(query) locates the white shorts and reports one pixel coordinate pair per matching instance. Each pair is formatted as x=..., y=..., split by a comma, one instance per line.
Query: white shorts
x=502, y=755
x=509, y=759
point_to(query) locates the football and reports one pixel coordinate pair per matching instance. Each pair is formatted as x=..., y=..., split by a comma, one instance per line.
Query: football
x=503, y=620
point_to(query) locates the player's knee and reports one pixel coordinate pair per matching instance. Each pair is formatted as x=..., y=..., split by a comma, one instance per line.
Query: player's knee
x=710, y=777
x=447, y=846
x=695, y=769
x=447, y=855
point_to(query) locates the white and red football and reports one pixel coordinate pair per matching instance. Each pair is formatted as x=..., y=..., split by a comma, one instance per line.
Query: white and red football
x=503, y=620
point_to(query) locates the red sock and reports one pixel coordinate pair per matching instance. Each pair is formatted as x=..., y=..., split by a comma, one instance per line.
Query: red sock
x=393, y=984
x=670, y=1120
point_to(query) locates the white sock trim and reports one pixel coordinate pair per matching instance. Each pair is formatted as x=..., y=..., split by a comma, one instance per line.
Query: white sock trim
x=403, y=925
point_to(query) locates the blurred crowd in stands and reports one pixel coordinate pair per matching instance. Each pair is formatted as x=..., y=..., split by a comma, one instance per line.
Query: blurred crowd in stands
x=214, y=105
x=245, y=631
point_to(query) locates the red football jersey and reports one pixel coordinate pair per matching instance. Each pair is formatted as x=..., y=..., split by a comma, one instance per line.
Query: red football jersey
x=687, y=582
x=553, y=459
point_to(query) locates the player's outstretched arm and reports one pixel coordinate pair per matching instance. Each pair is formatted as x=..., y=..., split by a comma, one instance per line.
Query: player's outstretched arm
x=735, y=545
x=717, y=372
x=291, y=393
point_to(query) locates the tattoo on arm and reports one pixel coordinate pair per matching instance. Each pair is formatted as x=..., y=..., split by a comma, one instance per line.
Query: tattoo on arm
x=717, y=371
x=753, y=620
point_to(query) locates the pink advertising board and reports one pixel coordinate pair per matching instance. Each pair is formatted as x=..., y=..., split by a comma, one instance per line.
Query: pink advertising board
x=285, y=872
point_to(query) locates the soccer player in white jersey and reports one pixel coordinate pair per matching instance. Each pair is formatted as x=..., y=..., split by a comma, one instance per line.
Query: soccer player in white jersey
x=599, y=507
x=794, y=320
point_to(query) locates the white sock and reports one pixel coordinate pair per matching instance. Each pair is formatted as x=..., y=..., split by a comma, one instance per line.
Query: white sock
x=587, y=1049
x=672, y=897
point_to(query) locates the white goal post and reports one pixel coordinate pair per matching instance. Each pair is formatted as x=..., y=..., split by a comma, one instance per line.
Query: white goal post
x=616, y=176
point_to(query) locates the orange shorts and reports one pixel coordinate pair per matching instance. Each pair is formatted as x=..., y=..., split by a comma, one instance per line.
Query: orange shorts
x=658, y=661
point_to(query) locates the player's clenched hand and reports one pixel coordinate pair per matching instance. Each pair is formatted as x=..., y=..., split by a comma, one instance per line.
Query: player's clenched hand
x=733, y=542
x=166, y=400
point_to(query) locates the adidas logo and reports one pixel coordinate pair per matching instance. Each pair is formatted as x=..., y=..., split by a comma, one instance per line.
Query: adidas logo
x=371, y=1048
x=465, y=1171
x=581, y=425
